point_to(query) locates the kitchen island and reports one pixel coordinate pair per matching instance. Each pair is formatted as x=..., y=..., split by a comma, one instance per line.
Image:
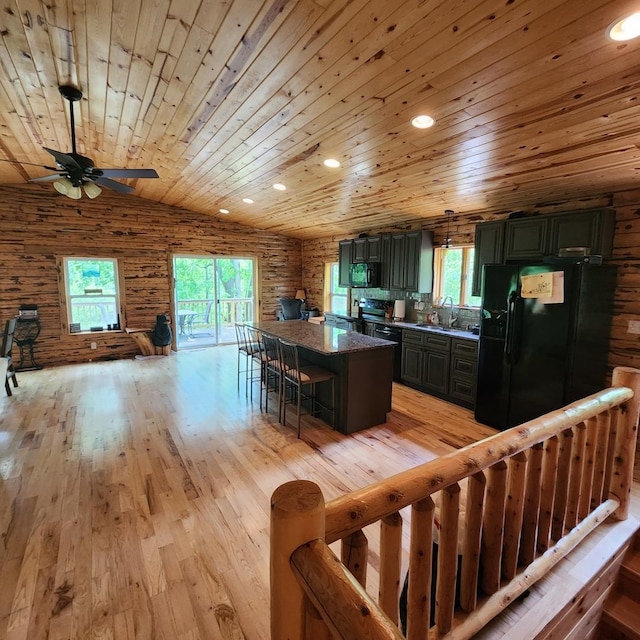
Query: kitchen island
x=363, y=368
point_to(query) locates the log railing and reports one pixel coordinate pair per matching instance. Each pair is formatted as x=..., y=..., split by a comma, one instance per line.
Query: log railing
x=531, y=494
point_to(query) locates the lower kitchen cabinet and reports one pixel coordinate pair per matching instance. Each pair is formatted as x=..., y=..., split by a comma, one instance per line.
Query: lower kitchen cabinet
x=462, y=383
x=442, y=365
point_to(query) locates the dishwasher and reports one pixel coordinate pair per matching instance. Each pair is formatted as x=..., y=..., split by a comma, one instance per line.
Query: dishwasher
x=394, y=334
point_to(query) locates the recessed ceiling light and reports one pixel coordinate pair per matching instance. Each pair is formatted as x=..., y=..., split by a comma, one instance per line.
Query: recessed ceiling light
x=247, y=200
x=423, y=122
x=625, y=28
x=224, y=210
x=332, y=162
x=279, y=186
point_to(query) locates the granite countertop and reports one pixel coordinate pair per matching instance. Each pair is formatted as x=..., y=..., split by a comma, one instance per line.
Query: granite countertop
x=432, y=328
x=320, y=338
x=418, y=326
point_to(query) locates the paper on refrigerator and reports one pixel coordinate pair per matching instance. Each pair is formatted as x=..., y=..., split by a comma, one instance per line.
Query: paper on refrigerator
x=546, y=287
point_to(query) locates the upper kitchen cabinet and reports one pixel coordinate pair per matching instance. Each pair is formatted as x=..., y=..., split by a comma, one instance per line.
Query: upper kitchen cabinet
x=526, y=238
x=367, y=249
x=593, y=229
x=533, y=238
x=411, y=261
x=385, y=262
x=345, y=252
x=489, y=245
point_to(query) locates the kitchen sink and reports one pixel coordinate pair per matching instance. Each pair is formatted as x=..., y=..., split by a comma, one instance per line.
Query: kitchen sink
x=433, y=327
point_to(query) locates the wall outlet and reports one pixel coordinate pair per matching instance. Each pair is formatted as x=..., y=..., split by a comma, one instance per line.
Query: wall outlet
x=634, y=326
x=94, y=345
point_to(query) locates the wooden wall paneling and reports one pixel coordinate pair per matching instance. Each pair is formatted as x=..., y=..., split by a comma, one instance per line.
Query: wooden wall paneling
x=143, y=236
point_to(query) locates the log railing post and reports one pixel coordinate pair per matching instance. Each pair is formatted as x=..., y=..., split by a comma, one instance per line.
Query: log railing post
x=390, y=561
x=420, y=569
x=353, y=555
x=626, y=438
x=297, y=517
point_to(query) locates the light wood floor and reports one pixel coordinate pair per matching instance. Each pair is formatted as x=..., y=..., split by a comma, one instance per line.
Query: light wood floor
x=134, y=495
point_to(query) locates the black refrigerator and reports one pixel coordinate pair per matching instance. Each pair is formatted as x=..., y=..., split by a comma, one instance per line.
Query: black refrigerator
x=535, y=356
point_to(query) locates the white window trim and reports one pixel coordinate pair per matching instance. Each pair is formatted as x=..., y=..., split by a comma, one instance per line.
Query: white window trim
x=65, y=301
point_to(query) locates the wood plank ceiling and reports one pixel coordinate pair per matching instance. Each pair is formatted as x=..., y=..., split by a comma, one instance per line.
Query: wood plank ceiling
x=224, y=98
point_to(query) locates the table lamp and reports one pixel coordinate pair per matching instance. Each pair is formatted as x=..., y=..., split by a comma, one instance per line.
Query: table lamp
x=301, y=295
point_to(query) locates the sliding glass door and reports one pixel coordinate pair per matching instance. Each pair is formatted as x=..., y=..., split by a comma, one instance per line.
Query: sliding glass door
x=211, y=295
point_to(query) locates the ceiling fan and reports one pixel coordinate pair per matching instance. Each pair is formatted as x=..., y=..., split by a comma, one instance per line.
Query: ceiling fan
x=76, y=173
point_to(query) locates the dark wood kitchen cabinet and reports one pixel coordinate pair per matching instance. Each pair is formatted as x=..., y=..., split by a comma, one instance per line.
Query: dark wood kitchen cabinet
x=345, y=252
x=489, y=245
x=439, y=364
x=593, y=229
x=385, y=262
x=412, y=359
x=534, y=237
x=526, y=238
x=436, y=370
x=462, y=381
x=367, y=249
x=411, y=261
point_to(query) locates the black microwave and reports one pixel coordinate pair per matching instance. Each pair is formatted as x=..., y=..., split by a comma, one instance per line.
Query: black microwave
x=364, y=274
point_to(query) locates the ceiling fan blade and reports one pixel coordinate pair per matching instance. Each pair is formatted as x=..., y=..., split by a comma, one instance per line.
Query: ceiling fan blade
x=112, y=184
x=129, y=173
x=55, y=176
x=63, y=159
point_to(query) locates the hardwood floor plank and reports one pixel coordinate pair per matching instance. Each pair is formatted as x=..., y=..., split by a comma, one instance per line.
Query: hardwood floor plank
x=134, y=495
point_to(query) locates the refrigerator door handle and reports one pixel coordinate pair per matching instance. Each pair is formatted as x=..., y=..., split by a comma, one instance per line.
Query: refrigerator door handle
x=516, y=329
x=508, y=342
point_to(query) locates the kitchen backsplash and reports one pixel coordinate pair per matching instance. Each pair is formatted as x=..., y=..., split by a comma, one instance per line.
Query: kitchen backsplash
x=419, y=307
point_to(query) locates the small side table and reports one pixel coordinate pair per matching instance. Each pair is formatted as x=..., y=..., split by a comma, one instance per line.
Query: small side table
x=26, y=332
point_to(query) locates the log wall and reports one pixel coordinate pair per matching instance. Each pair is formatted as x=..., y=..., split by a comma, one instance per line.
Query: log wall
x=37, y=226
x=624, y=348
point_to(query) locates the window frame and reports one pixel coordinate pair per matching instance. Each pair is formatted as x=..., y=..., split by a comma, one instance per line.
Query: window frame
x=66, y=297
x=466, y=279
x=328, y=296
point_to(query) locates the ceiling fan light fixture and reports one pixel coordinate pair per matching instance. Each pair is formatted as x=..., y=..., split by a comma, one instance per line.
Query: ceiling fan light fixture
x=92, y=190
x=66, y=188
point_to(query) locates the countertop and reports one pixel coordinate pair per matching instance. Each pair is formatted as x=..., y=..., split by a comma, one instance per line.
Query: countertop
x=454, y=332
x=320, y=338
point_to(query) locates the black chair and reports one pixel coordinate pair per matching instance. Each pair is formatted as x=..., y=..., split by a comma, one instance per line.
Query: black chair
x=272, y=371
x=246, y=349
x=298, y=374
x=7, y=345
x=290, y=309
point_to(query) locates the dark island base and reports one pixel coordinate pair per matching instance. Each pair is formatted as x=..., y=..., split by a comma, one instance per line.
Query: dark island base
x=363, y=387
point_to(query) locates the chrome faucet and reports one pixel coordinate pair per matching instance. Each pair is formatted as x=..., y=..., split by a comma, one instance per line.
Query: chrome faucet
x=452, y=317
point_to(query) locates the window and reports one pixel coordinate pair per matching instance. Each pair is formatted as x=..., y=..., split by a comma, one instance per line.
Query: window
x=91, y=290
x=453, y=276
x=335, y=297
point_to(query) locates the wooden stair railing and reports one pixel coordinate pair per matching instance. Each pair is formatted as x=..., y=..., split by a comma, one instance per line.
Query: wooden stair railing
x=533, y=493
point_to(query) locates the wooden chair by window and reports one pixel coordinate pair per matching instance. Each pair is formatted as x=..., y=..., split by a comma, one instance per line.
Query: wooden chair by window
x=297, y=375
x=5, y=353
